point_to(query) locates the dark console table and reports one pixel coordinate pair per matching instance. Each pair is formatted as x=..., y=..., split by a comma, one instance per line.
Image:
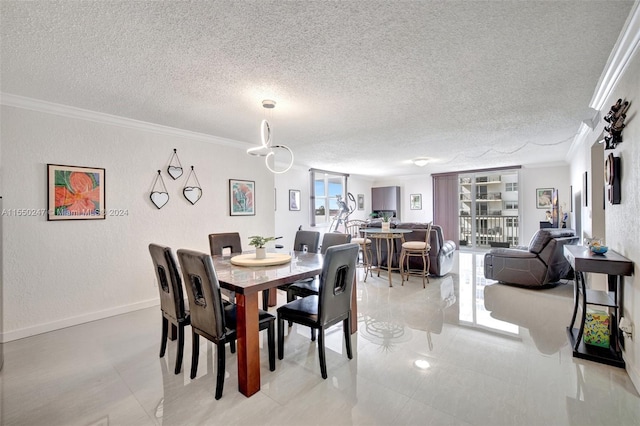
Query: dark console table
x=615, y=266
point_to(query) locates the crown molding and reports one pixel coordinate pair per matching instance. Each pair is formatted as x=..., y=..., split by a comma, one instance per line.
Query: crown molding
x=38, y=105
x=622, y=53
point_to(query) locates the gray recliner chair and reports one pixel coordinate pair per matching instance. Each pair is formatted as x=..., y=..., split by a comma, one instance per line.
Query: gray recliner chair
x=540, y=263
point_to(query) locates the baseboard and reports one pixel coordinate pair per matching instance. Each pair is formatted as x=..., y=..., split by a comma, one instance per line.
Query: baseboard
x=81, y=319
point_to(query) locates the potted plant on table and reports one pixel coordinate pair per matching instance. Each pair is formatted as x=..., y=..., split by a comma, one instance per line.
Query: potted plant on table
x=258, y=242
x=386, y=221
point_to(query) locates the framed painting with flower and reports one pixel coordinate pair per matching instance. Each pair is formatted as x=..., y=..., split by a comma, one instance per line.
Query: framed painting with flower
x=75, y=193
x=242, y=197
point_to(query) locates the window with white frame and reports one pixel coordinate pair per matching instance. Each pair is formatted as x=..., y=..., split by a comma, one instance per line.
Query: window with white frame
x=326, y=190
x=511, y=186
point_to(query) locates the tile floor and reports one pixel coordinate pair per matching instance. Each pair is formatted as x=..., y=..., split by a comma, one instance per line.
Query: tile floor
x=464, y=351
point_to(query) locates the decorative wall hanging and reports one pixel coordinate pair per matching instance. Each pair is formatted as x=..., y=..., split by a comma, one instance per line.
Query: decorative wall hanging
x=192, y=192
x=544, y=196
x=415, y=201
x=159, y=196
x=175, y=168
x=615, y=118
x=360, y=201
x=294, y=199
x=242, y=197
x=612, y=178
x=75, y=192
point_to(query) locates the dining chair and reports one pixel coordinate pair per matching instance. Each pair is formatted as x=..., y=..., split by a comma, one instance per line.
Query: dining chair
x=416, y=249
x=353, y=228
x=172, y=303
x=310, y=286
x=210, y=317
x=309, y=240
x=218, y=242
x=331, y=305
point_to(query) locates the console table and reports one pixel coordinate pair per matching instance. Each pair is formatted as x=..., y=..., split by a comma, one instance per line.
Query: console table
x=615, y=266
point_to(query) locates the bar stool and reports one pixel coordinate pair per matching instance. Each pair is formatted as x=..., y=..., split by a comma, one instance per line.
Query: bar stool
x=353, y=228
x=416, y=249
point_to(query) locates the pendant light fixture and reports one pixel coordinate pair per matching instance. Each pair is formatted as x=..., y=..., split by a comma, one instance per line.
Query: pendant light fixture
x=267, y=149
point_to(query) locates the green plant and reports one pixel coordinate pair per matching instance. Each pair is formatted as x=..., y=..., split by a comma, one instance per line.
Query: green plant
x=386, y=217
x=258, y=242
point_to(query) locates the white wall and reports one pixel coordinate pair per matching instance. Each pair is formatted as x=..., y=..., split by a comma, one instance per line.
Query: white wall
x=532, y=178
x=622, y=221
x=418, y=184
x=287, y=222
x=57, y=274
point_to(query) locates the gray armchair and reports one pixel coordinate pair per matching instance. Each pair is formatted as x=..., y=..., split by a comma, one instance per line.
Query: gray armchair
x=541, y=262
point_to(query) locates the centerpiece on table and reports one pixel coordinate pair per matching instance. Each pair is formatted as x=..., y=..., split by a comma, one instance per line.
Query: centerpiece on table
x=258, y=242
x=386, y=221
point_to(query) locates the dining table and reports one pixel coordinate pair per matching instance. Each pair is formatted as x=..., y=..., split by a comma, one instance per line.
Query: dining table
x=247, y=282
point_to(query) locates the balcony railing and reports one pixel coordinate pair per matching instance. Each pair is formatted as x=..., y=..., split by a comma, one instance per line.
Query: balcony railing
x=491, y=230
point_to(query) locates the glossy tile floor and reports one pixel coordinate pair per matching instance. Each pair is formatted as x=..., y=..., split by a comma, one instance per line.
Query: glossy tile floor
x=464, y=351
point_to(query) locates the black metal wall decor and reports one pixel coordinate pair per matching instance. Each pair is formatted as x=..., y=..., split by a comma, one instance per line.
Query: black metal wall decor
x=175, y=168
x=612, y=178
x=615, y=118
x=192, y=192
x=159, y=196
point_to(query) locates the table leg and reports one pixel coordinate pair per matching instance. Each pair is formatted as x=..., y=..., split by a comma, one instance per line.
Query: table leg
x=273, y=297
x=389, y=258
x=248, y=344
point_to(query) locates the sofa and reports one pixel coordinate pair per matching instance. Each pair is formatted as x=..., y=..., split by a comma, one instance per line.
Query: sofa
x=440, y=255
x=541, y=263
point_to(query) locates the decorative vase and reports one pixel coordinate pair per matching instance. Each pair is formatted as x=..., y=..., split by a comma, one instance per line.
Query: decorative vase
x=386, y=226
x=261, y=253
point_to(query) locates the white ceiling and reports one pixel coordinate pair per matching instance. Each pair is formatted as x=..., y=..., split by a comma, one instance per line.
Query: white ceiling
x=361, y=87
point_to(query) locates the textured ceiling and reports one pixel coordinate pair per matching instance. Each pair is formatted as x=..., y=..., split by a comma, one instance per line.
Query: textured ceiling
x=361, y=87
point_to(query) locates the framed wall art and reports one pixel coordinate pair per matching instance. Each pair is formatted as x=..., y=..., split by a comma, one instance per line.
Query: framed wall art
x=360, y=201
x=294, y=200
x=544, y=197
x=242, y=197
x=415, y=201
x=75, y=193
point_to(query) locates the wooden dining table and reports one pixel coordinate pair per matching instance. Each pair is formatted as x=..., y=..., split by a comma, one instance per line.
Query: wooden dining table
x=247, y=282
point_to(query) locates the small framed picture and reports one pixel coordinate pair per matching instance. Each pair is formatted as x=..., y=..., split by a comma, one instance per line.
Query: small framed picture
x=415, y=201
x=544, y=197
x=294, y=200
x=360, y=201
x=242, y=197
x=75, y=193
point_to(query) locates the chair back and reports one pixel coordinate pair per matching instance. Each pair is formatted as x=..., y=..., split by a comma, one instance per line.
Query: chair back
x=333, y=239
x=353, y=227
x=169, y=282
x=428, y=235
x=219, y=242
x=311, y=239
x=203, y=291
x=336, y=282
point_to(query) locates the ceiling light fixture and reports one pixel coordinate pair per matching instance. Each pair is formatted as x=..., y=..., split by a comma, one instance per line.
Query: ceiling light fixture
x=421, y=161
x=267, y=149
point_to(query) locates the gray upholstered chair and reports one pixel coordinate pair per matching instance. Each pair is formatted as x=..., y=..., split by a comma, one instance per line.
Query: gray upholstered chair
x=540, y=263
x=171, y=298
x=330, y=306
x=210, y=317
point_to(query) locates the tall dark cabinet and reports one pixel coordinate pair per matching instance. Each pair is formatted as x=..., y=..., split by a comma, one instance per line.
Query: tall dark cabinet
x=386, y=199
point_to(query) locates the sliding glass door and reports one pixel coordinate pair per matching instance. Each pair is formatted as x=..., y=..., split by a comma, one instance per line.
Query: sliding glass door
x=488, y=213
